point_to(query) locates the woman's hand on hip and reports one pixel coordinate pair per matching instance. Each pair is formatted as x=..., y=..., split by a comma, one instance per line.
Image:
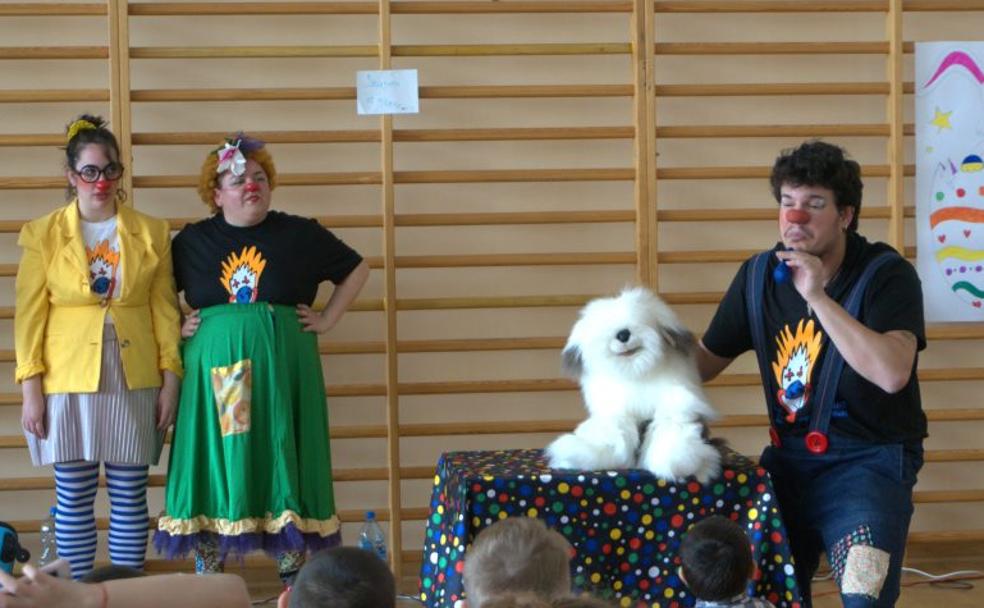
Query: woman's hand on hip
x=32, y=416
x=190, y=324
x=312, y=320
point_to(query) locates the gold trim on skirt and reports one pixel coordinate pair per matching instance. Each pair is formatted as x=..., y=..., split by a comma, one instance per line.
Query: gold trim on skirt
x=250, y=525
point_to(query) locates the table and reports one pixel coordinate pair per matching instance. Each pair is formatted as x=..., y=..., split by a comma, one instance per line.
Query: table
x=624, y=525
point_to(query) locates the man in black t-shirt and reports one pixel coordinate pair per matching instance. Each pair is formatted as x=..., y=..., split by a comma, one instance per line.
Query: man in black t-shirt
x=836, y=323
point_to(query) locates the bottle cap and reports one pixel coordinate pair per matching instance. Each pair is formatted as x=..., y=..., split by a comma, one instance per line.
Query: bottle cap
x=370, y=515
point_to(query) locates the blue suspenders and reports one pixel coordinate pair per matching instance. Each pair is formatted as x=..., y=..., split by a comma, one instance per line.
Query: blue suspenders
x=823, y=396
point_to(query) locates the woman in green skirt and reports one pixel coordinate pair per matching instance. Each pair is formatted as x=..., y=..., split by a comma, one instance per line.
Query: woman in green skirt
x=250, y=461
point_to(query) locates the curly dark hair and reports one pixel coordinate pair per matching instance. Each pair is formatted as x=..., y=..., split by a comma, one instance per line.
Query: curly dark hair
x=817, y=163
x=716, y=559
x=93, y=131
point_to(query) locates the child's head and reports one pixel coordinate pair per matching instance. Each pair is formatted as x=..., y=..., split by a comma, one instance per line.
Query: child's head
x=517, y=554
x=530, y=600
x=716, y=559
x=581, y=601
x=342, y=577
x=516, y=600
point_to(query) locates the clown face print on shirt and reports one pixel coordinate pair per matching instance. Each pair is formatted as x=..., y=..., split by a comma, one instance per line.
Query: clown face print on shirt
x=796, y=358
x=104, y=261
x=241, y=275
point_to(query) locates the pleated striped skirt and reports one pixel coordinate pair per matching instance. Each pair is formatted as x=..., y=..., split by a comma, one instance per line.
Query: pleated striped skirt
x=115, y=424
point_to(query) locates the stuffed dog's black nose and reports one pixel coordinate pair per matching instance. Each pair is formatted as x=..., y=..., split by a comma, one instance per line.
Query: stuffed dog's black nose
x=623, y=336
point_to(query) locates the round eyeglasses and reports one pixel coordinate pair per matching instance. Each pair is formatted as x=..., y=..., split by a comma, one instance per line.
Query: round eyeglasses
x=90, y=173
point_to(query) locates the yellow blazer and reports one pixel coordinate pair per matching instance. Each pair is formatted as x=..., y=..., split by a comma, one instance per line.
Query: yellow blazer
x=58, y=322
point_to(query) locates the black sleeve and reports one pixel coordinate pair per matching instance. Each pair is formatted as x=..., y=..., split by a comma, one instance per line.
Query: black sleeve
x=893, y=301
x=729, y=334
x=177, y=260
x=333, y=259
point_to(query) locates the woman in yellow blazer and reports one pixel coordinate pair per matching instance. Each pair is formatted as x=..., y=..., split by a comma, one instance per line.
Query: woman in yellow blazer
x=96, y=329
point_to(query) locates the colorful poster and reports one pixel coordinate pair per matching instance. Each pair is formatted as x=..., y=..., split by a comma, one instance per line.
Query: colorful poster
x=949, y=124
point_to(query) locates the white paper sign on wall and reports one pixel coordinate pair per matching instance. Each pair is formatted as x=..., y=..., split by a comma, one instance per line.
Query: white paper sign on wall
x=387, y=92
x=949, y=118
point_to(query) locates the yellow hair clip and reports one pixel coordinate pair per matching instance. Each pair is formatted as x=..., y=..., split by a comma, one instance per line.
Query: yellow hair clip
x=79, y=125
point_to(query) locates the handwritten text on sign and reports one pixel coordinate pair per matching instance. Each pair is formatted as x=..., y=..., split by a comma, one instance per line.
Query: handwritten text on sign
x=387, y=92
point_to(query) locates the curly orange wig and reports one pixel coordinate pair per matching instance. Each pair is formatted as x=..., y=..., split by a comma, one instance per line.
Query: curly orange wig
x=208, y=179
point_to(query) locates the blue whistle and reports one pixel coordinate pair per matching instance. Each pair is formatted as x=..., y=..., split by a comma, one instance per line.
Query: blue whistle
x=782, y=273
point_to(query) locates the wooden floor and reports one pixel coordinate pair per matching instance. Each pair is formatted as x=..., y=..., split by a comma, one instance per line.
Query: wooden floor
x=917, y=596
x=264, y=585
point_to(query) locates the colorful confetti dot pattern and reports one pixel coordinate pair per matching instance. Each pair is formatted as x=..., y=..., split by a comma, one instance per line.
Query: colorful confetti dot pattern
x=625, y=525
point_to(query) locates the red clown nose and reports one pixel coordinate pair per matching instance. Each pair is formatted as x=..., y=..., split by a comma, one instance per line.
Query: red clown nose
x=797, y=216
x=252, y=187
x=103, y=185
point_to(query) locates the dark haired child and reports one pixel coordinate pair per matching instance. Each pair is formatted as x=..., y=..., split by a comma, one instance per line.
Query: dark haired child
x=716, y=563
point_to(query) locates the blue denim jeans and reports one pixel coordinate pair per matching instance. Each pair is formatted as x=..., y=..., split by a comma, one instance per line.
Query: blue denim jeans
x=853, y=502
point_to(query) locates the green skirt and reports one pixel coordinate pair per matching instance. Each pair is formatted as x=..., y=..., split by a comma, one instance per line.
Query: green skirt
x=250, y=461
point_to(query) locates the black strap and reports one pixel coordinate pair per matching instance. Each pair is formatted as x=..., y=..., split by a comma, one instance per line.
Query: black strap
x=826, y=392
x=754, y=292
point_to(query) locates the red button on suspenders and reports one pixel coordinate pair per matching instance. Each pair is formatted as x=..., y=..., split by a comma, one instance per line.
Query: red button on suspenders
x=816, y=442
x=774, y=436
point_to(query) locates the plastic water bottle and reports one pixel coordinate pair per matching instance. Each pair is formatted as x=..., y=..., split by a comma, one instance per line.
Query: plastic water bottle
x=371, y=537
x=49, y=547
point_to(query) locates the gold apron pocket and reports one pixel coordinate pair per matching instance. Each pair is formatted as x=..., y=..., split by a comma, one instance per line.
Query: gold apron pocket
x=232, y=387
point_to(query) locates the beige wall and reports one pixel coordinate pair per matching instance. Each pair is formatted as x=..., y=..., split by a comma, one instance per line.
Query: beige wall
x=31, y=88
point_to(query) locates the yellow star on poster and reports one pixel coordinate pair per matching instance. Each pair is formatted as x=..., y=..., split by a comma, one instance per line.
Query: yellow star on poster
x=941, y=120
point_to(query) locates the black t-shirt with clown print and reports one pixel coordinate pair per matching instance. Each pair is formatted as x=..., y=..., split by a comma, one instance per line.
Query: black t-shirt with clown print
x=797, y=346
x=281, y=260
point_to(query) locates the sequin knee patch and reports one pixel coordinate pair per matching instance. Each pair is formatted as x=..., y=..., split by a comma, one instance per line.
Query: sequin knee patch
x=865, y=571
x=837, y=555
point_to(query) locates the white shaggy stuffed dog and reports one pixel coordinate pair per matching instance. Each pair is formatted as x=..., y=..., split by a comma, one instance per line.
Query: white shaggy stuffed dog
x=635, y=362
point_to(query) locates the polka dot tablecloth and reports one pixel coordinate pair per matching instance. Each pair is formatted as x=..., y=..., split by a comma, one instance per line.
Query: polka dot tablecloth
x=625, y=526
